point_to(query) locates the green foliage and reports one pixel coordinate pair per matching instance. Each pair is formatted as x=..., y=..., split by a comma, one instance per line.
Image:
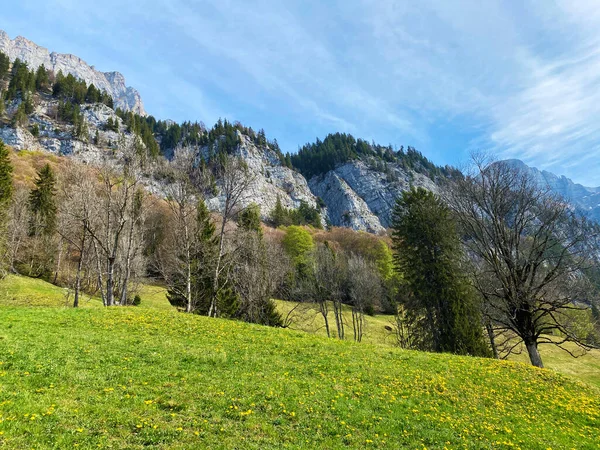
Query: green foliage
x=323, y=156
x=299, y=244
x=6, y=192
x=4, y=66
x=112, y=125
x=140, y=126
x=137, y=300
x=35, y=130
x=137, y=377
x=428, y=255
x=20, y=117
x=303, y=215
x=6, y=170
x=249, y=218
x=42, y=80
x=42, y=203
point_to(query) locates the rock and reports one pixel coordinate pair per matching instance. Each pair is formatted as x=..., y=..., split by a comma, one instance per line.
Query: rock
x=125, y=97
x=586, y=200
x=344, y=206
x=271, y=179
x=361, y=197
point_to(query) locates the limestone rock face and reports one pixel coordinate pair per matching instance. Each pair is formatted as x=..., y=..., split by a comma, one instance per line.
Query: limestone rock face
x=125, y=97
x=586, y=200
x=271, y=180
x=362, y=197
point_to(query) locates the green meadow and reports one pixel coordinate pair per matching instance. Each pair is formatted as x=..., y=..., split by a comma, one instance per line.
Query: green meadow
x=150, y=377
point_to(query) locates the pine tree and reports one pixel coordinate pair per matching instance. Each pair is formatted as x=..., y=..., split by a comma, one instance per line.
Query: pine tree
x=428, y=255
x=249, y=219
x=42, y=203
x=42, y=81
x=6, y=191
x=280, y=215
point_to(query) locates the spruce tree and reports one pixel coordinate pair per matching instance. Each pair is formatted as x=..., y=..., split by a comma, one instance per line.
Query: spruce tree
x=42, y=203
x=428, y=255
x=249, y=219
x=280, y=215
x=6, y=191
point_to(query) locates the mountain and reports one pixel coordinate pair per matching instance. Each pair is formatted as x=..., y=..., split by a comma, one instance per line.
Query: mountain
x=124, y=97
x=586, y=200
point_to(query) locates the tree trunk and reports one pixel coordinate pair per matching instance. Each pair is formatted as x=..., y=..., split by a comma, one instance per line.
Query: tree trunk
x=188, y=275
x=212, y=312
x=534, y=354
x=60, y=251
x=100, y=280
x=110, y=273
x=490, y=332
x=323, y=309
x=79, y=266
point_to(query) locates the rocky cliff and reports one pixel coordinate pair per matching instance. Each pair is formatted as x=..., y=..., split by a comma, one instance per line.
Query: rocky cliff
x=125, y=97
x=271, y=180
x=585, y=199
x=360, y=196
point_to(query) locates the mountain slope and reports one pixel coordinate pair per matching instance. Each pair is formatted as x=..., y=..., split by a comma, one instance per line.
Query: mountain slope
x=126, y=98
x=135, y=377
x=585, y=199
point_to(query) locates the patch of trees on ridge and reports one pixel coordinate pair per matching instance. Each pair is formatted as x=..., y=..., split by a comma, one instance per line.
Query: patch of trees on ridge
x=322, y=156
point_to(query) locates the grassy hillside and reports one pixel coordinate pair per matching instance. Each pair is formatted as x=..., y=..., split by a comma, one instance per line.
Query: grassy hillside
x=146, y=377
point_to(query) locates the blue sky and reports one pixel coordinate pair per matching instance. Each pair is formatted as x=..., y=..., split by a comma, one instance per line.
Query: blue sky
x=516, y=78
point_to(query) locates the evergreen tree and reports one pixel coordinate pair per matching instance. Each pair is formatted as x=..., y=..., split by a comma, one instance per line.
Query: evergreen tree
x=428, y=255
x=42, y=203
x=42, y=81
x=6, y=191
x=20, y=117
x=249, y=219
x=279, y=215
x=4, y=65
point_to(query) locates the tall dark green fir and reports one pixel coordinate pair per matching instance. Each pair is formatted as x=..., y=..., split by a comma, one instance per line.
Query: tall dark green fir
x=428, y=255
x=42, y=203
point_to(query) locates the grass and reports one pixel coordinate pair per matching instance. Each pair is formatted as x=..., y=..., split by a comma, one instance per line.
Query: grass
x=135, y=377
x=16, y=290
x=151, y=377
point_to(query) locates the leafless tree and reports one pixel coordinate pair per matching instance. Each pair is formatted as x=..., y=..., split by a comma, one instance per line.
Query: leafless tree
x=364, y=288
x=529, y=249
x=175, y=256
x=17, y=225
x=117, y=190
x=235, y=180
x=330, y=271
x=77, y=197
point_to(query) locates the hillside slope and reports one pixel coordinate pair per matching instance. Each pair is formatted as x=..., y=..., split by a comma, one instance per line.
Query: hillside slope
x=134, y=378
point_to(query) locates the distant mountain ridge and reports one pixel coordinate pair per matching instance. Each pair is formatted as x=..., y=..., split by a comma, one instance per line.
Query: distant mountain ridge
x=125, y=97
x=585, y=199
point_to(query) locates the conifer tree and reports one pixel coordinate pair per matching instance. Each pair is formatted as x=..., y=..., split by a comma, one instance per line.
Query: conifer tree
x=42, y=203
x=249, y=219
x=428, y=254
x=6, y=191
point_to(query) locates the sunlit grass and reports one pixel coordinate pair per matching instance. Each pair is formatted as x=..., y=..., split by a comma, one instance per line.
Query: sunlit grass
x=16, y=290
x=144, y=377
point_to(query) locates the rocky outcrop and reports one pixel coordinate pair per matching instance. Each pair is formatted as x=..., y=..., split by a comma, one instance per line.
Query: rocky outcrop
x=586, y=200
x=271, y=180
x=344, y=206
x=125, y=97
x=360, y=196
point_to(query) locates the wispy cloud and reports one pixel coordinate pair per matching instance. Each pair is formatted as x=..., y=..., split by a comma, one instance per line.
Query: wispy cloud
x=519, y=78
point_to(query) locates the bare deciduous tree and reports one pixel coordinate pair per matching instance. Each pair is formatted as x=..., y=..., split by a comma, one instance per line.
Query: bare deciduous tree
x=235, y=179
x=529, y=249
x=364, y=286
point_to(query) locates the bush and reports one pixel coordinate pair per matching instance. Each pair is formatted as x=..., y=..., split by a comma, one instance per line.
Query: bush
x=137, y=301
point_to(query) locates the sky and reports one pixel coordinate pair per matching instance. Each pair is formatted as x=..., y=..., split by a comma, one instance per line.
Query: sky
x=518, y=79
